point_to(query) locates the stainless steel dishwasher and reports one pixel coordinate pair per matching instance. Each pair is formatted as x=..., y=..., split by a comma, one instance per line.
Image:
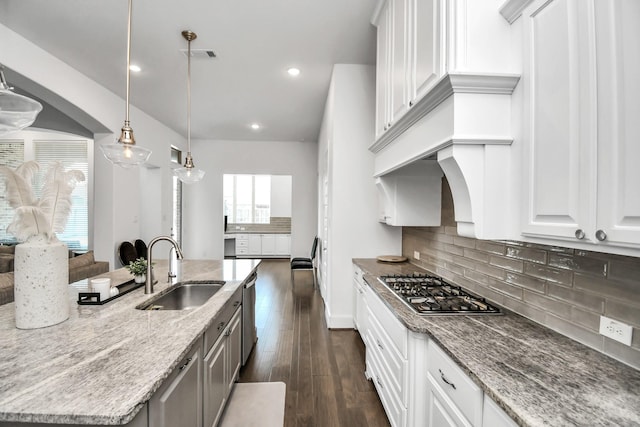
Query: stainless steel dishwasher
x=249, y=332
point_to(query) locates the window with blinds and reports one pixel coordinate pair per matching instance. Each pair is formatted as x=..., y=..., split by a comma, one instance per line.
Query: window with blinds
x=11, y=155
x=73, y=155
x=176, y=220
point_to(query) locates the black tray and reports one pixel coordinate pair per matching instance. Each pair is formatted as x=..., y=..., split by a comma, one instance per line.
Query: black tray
x=93, y=298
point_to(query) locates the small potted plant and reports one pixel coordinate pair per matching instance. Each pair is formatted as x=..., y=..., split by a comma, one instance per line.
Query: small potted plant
x=139, y=269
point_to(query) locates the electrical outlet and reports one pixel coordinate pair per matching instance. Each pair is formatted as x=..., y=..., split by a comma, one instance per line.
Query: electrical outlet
x=616, y=330
x=416, y=254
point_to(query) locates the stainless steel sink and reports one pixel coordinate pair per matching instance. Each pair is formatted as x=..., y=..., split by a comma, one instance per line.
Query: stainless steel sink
x=183, y=296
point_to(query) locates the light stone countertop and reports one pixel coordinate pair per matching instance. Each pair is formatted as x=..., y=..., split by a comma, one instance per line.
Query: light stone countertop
x=539, y=377
x=102, y=364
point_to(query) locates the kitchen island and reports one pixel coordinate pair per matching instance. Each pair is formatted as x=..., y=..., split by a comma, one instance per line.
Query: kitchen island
x=102, y=365
x=537, y=376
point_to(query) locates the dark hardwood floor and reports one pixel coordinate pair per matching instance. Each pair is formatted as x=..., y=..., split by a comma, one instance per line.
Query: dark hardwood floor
x=323, y=369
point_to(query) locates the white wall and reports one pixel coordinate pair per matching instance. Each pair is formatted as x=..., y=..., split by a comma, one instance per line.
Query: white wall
x=121, y=205
x=203, y=217
x=354, y=230
x=281, y=195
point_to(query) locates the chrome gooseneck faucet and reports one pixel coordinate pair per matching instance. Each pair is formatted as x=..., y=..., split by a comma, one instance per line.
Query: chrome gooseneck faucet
x=148, y=287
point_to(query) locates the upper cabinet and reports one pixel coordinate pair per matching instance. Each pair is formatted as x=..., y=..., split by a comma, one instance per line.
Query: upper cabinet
x=581, y=129
x=445, y=77
x=409, y=57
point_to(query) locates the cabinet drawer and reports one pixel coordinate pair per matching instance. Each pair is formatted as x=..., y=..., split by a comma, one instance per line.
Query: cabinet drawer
x=395, y=410
x=441, y=411
x=389, y=357
x=391, y=325
x=242, y=251
x=357, y=274
x=221, y=321
x=463, y=392
x=242, y=243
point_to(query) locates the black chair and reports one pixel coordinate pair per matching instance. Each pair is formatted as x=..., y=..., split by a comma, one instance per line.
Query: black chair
x=127, y=253
x=141, y=248
x=300, y=263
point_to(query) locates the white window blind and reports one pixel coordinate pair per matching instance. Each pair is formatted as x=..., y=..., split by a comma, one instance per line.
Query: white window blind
x=73, y=155
x=11, y=155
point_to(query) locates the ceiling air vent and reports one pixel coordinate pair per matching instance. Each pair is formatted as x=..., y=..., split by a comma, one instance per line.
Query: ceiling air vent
x=200, y=53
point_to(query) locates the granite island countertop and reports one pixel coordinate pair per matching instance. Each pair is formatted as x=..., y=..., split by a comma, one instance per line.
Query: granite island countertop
x=539, y=377
x=102, y=364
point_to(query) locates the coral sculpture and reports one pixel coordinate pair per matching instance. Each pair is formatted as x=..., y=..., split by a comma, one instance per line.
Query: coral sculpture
x=50, y=213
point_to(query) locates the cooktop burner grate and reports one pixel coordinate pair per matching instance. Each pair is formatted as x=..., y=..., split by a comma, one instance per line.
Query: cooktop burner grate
x=427, y=294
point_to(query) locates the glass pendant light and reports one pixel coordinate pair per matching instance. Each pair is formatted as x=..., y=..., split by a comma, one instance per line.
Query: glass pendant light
x=124, y=151
x=189, y=174
x=16, y=111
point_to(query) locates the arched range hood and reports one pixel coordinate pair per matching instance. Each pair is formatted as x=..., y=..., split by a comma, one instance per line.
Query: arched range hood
x=464, y=123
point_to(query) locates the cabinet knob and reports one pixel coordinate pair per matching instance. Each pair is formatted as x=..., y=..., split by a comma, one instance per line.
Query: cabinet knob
x=385, y=127
x=410, y=103
x=601, y=235
x=580, y=234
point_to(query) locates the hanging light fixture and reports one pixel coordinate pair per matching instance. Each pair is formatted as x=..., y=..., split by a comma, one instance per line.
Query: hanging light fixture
x=16, y=111
x=124, y=151
x=189, y=174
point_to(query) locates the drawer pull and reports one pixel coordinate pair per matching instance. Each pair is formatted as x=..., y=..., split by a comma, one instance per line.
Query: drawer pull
x=220, y=325
x=380, y=345
x=446, y=380
x=379, y=382
x=237, y=303
x=185, y=363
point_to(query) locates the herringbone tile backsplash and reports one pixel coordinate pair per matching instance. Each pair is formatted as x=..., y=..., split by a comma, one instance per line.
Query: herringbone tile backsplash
x=564, y=289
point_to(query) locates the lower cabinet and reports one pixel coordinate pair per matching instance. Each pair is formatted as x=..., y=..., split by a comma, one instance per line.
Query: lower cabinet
x=360, y=303
x=268, y=245
x=178, y=402
x=417, y=382
x=221, y=367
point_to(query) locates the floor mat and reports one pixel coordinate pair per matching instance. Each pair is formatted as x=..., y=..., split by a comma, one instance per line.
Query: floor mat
x=255, y=404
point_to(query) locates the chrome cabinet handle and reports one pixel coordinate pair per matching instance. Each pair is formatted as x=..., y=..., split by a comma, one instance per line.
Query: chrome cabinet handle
x=446, y=380
x=379, y=345
x=220, y=325
x=379, y=382
x=185, y=363
x=601, y=235
x=410, y=103
x=580, y=234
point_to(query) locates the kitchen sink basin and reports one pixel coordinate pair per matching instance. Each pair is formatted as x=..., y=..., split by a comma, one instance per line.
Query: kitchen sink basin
x=183, y=296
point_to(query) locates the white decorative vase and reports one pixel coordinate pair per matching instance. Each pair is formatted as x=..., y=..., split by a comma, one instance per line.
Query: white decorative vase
x=41, y=282
x=140, y=278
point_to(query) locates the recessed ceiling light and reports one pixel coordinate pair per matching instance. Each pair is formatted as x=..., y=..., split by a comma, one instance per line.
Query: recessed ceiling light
x=255, y=126
x=293, y=71
x=135, y=68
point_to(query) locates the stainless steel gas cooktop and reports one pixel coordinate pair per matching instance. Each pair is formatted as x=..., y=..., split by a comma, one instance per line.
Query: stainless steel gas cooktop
x=427, y=294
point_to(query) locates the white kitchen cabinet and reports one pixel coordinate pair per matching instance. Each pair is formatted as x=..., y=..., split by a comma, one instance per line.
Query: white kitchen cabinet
x=268, y=245
x=360, y=318
x=383, y=71
x=441, y=412
x=453, y=388
x=411, y=195
x=424, y=60
x=221, y=366
x=255, y=244
x=494, y=416
x=283, y=244
x=178, y=401
x=581, y=64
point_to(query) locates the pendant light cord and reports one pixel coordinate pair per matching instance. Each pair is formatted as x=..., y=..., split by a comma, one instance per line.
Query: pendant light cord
x=189, y=99
x=128, y=62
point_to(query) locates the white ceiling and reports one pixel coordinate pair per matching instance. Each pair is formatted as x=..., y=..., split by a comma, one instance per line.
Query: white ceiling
x=256, y=41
